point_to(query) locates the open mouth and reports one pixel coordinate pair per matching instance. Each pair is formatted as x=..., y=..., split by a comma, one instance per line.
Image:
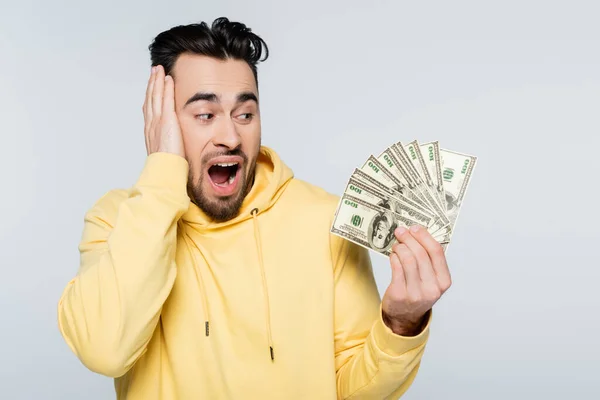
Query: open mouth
x=224, y=175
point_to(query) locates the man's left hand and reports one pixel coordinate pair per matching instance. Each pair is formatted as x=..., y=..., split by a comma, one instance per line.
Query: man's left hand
x=420, y=276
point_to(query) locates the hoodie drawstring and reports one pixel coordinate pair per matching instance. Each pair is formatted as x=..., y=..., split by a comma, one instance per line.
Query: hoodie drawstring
x=200, y=282
x=262, y=273
x=254, y=213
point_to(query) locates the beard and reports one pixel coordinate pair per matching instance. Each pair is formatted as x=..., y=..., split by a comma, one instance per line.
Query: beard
x=221, y=208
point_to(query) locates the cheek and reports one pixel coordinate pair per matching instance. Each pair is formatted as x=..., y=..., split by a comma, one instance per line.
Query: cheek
x=196, y=176
x=250, y=138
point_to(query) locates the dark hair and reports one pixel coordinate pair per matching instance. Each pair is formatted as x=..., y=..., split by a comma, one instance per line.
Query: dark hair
x=223, y=40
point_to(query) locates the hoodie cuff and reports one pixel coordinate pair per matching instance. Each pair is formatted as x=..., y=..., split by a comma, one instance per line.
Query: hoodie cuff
x=165, y=171
x=396, y=345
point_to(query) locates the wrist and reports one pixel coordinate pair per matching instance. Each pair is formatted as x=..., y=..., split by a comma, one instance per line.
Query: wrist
x=404, y=326
x=165, y=171
x=171, y=150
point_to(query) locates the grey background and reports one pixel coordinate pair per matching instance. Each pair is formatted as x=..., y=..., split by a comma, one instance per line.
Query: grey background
x=514, y=82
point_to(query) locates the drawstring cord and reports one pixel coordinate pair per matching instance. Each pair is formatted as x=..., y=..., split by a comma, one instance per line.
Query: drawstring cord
x=254, y=213
x=200, y=281
x=262, y=273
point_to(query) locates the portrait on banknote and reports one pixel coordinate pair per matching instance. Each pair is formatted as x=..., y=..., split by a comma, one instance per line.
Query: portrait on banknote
x=381, y=231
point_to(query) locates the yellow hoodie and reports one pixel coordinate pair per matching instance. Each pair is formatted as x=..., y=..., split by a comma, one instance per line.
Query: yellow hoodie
x=269, y=305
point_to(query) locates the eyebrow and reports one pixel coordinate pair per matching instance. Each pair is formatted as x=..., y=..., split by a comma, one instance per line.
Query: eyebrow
x=213, y=98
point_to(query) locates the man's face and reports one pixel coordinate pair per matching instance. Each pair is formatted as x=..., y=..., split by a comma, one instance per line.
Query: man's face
x=217, y=106
x=382, y=229
x=380, y=233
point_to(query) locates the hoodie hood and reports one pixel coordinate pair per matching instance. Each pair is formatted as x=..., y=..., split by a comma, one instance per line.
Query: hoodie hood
x=271, y=178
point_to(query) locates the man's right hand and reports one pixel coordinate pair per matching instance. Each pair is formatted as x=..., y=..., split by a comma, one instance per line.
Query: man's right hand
x=161, y=126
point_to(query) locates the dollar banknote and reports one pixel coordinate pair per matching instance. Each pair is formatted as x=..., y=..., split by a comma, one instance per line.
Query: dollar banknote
x=406, y=184
x=362, y=190
x=431, y=155
x=439, y=229
x=369, y=180
x=367, y=225
x=395, y=162
x=377, y=171
x=418, y=161
x=416, y=181
x=393, y=175
x=457, y=172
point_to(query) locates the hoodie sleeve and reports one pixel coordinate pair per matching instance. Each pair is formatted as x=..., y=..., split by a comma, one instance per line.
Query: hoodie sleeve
x=372, y=362
x=108, y=312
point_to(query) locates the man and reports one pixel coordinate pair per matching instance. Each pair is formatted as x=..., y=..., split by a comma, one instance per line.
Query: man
x=215, y=276
x=383, y=231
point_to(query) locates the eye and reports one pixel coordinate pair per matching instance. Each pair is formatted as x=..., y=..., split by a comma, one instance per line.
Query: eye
x=204, y=117
x=246, y=116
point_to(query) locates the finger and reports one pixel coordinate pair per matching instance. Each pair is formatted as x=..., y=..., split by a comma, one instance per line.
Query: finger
x=169, y=95
x=157, y=92
x=147, y=107
x=425, y=267
x=410, y=268
x=437, y=256
x=148, y=100
x=398, y=277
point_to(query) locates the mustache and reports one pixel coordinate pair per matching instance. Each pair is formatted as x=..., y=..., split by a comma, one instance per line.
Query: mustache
x=236, y=152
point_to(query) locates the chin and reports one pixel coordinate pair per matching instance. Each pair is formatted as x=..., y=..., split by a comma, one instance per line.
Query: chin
x=222, y=186
x=222, y=210
x=216, y=206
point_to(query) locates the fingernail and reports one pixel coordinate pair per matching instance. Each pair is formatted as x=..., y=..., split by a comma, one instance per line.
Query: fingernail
x=153, y=69
x=415, y=228
x=400, y=231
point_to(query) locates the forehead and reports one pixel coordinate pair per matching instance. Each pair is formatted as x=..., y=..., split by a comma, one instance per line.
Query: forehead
x=226, y=78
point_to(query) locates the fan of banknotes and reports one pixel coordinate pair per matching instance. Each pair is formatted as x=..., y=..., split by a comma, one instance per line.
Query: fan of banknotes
x=407, y=184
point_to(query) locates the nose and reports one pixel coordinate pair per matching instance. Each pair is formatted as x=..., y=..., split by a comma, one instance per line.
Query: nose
x=226, y=135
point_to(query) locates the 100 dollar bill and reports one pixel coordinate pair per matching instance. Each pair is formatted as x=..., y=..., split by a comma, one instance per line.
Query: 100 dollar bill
x=457, y=172
x=367, y=225
x=361, y=176
x=418, y=161
x=362, y=190
x=380, y=187
x=390, y=165
x=414, y=180
x=431, y=155
x=376, y=170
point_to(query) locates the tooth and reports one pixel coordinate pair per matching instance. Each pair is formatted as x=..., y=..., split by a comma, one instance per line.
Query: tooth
x=231, y=178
